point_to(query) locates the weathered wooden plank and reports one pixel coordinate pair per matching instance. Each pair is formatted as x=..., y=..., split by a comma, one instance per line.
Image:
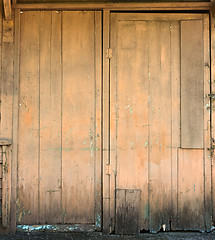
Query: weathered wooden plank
x=132, y=213
x=106, y=125
x=6, y=186
x=191, y=190
x=207, y=130
x=50, y=118
x=175, y=80
x=120, y=211
x=15, y=122
x=192, y=84
x=28, y=154
x=97, y=126
x=212, y=43
x=117, y=6
x=160, y=125
x=157, y=16
x=127, y=211
x=129, y=107
x=154, y=122
x=78, y=117
x=113, y=114
x=7, y=10
x=6, y=117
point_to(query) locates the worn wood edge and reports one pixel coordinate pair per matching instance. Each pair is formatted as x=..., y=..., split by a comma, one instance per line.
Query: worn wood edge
x=15, y=122
x=98, y=114
x=212, y=42
x=6, y=186
x=117, y=6
x=106, y=126
x=113, y=121
x=206, y=134
x=7, y=10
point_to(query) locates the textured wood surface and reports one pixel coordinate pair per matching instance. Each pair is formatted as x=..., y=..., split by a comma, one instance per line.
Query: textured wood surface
x=60, y=118
x=192, y=84
x=146, y=116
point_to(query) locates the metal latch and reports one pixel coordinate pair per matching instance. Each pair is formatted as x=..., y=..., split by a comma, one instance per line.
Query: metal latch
x=211, y=95
x=108, y=169
x=212, y=148
x=109, y=53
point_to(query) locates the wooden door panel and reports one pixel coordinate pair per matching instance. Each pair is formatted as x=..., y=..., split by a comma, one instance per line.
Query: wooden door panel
x=50, y=118
x=153, y=95
x=28, y=154
x=59, y=173
x=79, y=117
x=192, y=84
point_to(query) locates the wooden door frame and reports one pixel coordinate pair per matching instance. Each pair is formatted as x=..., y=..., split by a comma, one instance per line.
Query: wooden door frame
x=108, y=175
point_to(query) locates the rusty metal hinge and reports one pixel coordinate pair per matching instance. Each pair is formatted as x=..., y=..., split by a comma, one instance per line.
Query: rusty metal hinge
x=211, y=95
x=212, y=148
x=108, y=169
x=109, y=53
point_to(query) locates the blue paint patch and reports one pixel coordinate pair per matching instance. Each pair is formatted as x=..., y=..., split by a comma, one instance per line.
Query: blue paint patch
x=98, y=220
x=34, y=227
x=194, y=188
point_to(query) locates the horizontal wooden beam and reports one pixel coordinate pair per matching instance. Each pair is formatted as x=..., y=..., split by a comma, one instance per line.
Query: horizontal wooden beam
x=117, y=6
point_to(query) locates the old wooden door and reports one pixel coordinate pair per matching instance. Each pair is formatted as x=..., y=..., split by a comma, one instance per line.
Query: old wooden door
x=159, y=119
x=59, y=163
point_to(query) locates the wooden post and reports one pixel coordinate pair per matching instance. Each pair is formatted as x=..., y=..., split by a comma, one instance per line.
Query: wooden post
x=15, y=121
x=7, y=10
x=5, y=143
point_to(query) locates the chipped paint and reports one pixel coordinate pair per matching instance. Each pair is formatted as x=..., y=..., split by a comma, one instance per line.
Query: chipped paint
x=58, y=228
x=146, y=144
x=132, y=145
x=98, y=220
x=91, y=142
x=130, y=107
x=21, y=211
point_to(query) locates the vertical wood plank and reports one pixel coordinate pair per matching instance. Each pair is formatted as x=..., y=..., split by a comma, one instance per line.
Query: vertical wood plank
x=160, y=125
x=132, y=214
x=106, y=124
x=78, y=117
x=113, y=119
x=129, y=108
x=154, y=116
x=212, y=42
x=50, y=117
x=175, y=80
x=6, y=114
x=97, y=126
x=15, y=122
x=28, y=154
x=207, y=134
x=120, y=210
x=191, y=190
x=192, y=84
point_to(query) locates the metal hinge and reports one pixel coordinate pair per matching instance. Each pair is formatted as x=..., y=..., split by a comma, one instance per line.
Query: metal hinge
x=109, y=53
x=108, y=169
x=212, y=148
x=211, y=95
